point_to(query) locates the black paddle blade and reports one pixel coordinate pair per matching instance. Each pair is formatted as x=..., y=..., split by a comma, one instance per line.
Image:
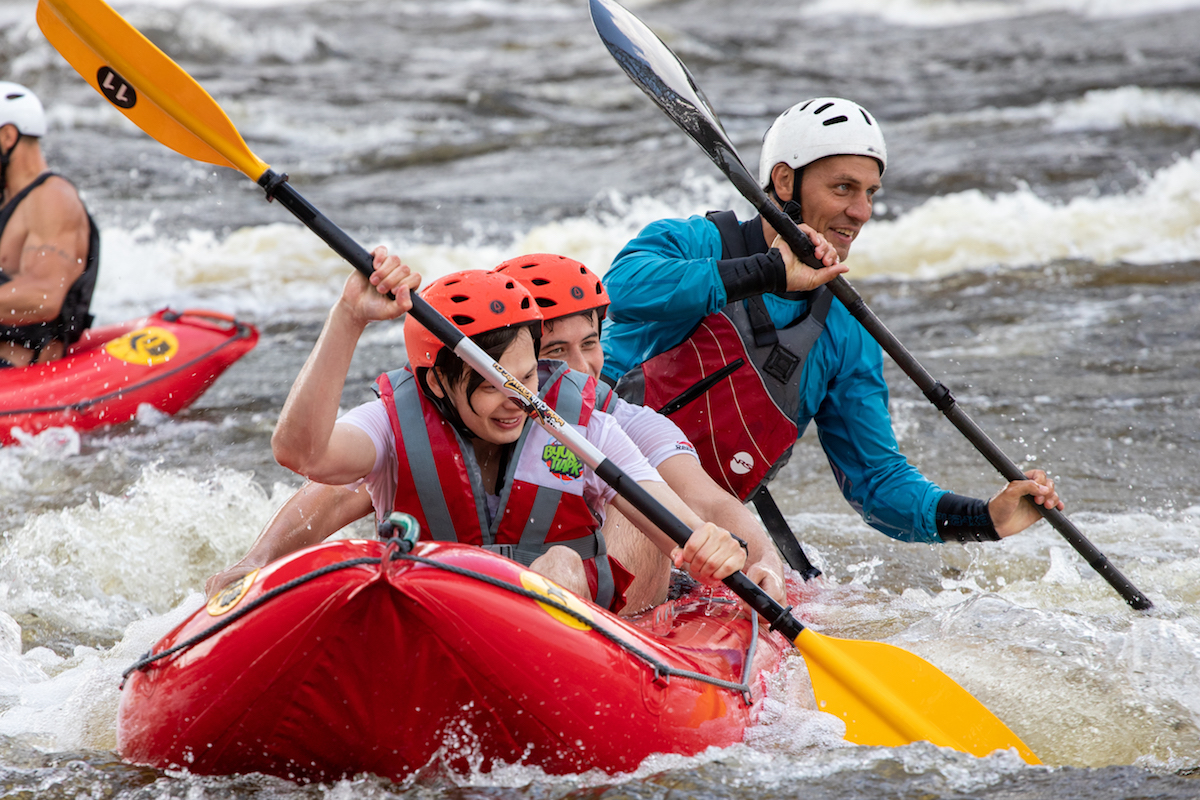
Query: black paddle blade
x=663, y=77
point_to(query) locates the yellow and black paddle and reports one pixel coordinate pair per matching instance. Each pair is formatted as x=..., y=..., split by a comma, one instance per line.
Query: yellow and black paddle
x=885, y=695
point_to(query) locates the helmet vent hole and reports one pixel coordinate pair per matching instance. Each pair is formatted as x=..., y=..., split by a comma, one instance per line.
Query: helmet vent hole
x=14, y=96
x=524, y=302
x=865, y=117
x=822, y=108
x=462, y=319
x=539, y=281
x=459, y=298
x=835, y=120
x=545, y=302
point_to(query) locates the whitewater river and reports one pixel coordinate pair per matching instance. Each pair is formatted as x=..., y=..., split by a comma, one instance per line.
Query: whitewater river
x=1036, y=246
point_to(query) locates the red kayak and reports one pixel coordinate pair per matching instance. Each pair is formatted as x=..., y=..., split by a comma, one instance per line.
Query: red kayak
x=352, y=657
x=167, y=360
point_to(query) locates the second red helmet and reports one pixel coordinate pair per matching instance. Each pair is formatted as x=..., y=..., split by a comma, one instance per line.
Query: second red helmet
x=560, y=286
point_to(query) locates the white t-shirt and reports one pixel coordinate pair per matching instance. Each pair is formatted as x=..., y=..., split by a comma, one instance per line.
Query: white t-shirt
x=602, y=431
x=654, y=434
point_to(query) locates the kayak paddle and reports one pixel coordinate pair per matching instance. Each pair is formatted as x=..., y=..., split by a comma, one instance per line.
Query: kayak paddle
x=886, y=696
x=662, y=76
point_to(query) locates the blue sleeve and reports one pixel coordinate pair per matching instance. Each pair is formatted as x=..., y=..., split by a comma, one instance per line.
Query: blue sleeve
x=856, y=433
x=661, y=284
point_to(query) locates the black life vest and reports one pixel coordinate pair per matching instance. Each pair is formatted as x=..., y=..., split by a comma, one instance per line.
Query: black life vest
x=73, y=318
x=741, y=421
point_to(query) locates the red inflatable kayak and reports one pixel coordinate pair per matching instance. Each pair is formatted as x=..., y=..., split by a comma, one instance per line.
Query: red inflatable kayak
x=167, y=360
x=353, y=657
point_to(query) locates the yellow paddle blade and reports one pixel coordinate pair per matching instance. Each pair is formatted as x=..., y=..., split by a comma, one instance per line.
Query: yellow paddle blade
x=144, y=84
x=888, y=697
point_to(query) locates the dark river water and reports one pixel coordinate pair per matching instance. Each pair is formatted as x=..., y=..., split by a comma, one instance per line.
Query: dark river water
x=1036, y=246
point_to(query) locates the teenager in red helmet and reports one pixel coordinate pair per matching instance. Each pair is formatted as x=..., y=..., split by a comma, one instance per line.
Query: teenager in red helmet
x=445, y=445
x=573, y=302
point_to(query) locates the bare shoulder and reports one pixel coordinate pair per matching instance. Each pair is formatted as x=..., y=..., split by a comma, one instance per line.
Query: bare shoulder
x=54, y=206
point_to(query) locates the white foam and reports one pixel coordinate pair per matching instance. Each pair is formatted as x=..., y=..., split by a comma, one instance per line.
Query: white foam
x=97, y=566
x=1158, y=222
x=936, y=13
x=1094, y=110
x=266, y=270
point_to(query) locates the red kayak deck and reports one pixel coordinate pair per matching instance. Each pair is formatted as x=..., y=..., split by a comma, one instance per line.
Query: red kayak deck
x=389, y=665
x=166, y=360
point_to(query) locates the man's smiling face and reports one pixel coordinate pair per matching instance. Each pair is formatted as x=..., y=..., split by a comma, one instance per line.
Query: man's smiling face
x=836, y=194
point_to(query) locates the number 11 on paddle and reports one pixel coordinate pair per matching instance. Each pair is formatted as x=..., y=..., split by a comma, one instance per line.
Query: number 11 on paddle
x=885, y=695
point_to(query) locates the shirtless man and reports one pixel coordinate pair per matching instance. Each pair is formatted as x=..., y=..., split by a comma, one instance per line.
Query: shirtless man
x=49, y=246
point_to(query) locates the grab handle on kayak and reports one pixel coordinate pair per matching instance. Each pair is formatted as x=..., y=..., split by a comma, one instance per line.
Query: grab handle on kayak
x=400, y=528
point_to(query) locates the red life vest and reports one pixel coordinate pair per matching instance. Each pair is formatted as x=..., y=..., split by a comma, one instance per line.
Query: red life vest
x=733, y=386
x=541, y=500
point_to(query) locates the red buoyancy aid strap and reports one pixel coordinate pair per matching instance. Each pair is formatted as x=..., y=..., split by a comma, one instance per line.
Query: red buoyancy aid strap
x=581, y=398
x=531, y=517
x=427, y=446
x=604, y=396
x=738, y=430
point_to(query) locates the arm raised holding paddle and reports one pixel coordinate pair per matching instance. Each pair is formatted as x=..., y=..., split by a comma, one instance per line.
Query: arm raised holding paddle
x=306, y=439
x=448, y=447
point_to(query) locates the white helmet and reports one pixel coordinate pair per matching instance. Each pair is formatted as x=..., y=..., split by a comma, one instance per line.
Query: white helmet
x=20, y=107
x=823, y=126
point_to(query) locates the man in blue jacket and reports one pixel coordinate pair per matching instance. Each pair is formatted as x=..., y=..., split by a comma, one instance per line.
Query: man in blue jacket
x=718, y=322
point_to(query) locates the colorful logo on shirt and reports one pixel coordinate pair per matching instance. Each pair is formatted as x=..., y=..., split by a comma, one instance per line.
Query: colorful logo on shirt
x=685, y=446
x=561, y=462
x=145, y=346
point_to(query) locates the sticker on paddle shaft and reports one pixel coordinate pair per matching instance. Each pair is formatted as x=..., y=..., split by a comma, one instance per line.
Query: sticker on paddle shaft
x=119, y=91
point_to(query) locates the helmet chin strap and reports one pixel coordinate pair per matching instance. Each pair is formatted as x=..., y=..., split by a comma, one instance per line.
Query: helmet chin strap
x=790, y=207
x=4, y=159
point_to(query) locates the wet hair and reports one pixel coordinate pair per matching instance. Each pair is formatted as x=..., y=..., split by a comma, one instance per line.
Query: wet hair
x=455, y=371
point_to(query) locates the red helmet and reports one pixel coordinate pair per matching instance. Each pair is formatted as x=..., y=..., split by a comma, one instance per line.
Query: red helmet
x=476, y=301
x=560, y=285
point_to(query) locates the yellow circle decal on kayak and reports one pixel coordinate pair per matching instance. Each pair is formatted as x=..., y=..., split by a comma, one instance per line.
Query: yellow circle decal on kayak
x=145, y=346
x=552, y=591
x=231, y=595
